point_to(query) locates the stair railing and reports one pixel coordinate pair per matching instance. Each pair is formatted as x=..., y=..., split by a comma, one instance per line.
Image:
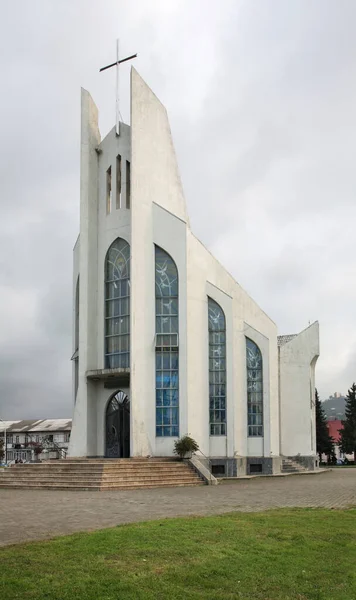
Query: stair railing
x=50, y=445
x=209, y=462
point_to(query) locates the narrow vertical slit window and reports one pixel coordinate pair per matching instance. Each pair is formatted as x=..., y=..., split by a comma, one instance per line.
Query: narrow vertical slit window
x=118, y=181
x=108, y=191
x=254, y=389
x=217, y=369
x=128, y=184
x=167, y=352
x=76, y=340
x=117, y=305
x=76, y=377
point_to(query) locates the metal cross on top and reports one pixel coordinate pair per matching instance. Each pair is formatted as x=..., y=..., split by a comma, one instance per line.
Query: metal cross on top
x=117, y=63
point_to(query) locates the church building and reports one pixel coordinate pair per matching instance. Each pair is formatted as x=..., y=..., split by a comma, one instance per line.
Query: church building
x=165, y=341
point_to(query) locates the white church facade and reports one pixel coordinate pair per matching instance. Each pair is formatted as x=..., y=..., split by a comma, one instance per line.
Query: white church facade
x=165, y=341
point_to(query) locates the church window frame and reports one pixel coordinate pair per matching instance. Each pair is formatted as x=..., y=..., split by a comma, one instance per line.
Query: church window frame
x=118, y=182
x=167, y=349
x=254, y=377
x=217, y=369
x=108, y=191
x=117, y=305
x=128, y=184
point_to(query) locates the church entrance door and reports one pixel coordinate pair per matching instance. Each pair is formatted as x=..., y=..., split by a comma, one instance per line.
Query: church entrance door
x=117, y=426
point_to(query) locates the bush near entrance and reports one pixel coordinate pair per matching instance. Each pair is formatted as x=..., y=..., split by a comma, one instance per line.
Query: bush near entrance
x=185, y=446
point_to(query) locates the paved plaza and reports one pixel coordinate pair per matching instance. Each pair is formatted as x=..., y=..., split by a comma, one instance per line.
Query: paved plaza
x=33, y=515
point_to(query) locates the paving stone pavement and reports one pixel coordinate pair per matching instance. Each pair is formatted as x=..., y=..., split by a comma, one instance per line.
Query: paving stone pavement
x=27, y=515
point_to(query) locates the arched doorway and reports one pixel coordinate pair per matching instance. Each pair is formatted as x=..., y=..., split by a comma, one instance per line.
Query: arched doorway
x=117, y=426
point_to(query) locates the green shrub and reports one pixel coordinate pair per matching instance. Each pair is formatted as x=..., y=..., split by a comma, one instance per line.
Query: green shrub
x=185, y=445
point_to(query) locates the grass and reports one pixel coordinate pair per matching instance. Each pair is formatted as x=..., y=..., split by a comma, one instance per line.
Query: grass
x=299, y=554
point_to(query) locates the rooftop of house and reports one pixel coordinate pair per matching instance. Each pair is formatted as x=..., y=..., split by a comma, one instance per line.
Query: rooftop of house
x=35, y=425
x=334, y=425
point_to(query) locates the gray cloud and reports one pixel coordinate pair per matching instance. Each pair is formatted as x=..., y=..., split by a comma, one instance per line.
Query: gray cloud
x=261, y=101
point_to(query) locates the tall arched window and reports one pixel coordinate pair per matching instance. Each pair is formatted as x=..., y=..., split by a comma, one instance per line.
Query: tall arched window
x=254, y=389
x=167, y=370
x=117, y=305
x=217, y=369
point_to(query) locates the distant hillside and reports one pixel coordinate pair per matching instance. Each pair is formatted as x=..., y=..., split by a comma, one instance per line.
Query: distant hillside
x=334, y=407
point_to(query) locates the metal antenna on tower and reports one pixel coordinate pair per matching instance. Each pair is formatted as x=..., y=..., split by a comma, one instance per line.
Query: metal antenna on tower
x=117, y=63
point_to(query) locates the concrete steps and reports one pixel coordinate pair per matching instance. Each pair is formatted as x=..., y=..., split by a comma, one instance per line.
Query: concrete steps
x=96, y=480
x=92, y=467
x=291, y=466
x=99, y=487
x=125, y=470
x=99, y=474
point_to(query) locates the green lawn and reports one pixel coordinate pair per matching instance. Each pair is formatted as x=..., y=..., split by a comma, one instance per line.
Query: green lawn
x=284, y=554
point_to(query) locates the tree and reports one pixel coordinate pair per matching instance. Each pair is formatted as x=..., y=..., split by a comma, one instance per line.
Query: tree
x=348, y=433
x=324, y=442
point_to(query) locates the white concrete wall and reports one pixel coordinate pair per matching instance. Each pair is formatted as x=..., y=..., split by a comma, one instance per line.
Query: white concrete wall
x=83, y=418
x=110, y=226
x=297, y=361
x=155, y=183
x=153, y=154
x=98, y=230
x=206, y=277
x=169, y=233
x=76, y=266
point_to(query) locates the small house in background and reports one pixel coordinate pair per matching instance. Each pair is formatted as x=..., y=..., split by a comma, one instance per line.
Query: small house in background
x=41, y=438
x=334, y=426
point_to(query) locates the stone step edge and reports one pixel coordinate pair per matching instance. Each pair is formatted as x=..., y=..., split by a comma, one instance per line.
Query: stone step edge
x=75, y=472
x=98, y=465
x=109, y=461
x=96, y=481
x=102, y=487
x=101, y=476
x=83, y=466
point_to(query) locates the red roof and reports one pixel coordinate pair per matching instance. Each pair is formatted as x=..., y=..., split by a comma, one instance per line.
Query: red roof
x=334, y=427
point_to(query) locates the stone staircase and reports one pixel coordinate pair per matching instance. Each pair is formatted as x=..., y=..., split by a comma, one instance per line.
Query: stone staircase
x=100, y=474
x=291, y=466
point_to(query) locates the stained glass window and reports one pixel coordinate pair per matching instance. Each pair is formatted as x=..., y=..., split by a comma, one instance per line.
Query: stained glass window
x=117, y=305
x=254, y=389
x=217, y=369
x=167, y=355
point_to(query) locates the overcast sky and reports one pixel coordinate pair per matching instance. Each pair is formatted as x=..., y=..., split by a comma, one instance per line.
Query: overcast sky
x=261, y=96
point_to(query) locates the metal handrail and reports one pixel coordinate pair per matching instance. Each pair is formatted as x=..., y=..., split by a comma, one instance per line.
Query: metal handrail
x=208, y=459
x=53, y=444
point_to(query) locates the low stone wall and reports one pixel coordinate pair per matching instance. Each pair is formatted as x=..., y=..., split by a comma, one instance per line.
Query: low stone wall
x=308, y=462
x=201, y=466
x=266, y=465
